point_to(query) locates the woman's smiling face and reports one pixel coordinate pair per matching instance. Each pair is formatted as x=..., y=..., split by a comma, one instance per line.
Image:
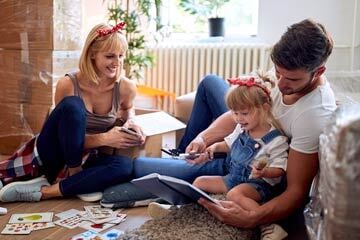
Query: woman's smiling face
x=109, y=63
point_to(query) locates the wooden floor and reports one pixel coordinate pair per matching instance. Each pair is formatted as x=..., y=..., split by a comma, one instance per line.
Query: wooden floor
x=135, y=217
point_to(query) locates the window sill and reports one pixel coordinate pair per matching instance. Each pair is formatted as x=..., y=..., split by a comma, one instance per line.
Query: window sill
x=203, y=38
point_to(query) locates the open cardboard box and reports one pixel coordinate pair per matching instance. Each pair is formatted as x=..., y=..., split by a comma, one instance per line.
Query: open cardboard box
x=160, y=129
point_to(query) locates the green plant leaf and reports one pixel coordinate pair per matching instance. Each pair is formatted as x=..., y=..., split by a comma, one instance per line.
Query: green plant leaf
x=136, y=57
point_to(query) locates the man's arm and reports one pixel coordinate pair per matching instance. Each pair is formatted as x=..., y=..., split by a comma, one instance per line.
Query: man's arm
x=221, y=127
x=301, y=170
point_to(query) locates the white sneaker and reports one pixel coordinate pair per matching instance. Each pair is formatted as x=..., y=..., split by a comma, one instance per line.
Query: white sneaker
x=272, y=232
x=157, y=210
x=23, y=191
x=91, y=197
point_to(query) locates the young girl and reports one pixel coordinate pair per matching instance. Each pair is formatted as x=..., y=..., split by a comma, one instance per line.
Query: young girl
x=88, y=102
x=257, y=137
x=257, y=149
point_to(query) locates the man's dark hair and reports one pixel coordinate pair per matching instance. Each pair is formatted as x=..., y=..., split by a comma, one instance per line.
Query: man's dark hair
x=305, y=45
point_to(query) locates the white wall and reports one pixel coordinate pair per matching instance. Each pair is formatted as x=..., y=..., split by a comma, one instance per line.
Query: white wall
x=94, y=12
x=336, y=15
x=276, y=15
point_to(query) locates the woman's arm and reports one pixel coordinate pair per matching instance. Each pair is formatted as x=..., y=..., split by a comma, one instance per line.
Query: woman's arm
x=115, y=137
x=64, y=88
x=127, y=110
x=127, y=93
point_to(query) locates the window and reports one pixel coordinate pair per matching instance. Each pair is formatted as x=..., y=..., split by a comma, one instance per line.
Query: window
x=241, y=20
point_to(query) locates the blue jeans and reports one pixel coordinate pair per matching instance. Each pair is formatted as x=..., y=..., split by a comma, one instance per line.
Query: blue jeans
x=209, y=104
x=61, y=143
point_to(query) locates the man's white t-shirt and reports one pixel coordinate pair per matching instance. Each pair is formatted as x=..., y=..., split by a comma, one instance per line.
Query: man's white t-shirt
x=304, y=120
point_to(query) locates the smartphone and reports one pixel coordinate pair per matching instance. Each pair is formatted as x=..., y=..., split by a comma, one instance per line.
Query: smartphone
x=129, y=130
x=189, y=155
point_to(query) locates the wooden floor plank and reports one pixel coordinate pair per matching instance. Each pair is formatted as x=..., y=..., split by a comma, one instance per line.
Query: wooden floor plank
x=136, y=217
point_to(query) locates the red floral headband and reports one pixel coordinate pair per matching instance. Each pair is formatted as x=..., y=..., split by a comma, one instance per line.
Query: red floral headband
x=249, y=82
x=103, y=32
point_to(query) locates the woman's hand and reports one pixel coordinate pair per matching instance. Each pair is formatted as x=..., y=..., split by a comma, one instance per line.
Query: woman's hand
x=120, y=139
x=231, y=213
x=129, y=124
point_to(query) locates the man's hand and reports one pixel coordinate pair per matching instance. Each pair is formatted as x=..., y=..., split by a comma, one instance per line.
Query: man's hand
x=204, y=157
x=197, y=145
x=230, y=213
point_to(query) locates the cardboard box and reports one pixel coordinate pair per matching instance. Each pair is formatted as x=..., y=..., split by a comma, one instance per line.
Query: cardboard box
x=21, y=76
x=160, y=129
x=40, y=24
x=27, y=91
x=30, y=76
x=14, y=129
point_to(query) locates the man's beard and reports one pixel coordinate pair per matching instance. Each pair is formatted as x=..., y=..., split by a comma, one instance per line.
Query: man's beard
x=290, y=91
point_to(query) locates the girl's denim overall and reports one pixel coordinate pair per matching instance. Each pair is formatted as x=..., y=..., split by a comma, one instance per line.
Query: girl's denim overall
x=239, y=161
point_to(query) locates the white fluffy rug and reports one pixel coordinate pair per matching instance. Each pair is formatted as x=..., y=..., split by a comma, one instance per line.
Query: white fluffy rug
x=189, y=222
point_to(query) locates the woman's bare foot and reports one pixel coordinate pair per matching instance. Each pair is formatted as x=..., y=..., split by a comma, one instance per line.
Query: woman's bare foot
x=75, y=170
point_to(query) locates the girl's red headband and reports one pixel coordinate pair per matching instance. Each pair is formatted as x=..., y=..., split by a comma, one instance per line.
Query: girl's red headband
x=103, y=32
x=249, y=82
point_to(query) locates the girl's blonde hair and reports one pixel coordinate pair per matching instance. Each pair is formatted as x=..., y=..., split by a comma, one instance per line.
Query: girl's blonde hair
x=252, y=93
x=95, y=43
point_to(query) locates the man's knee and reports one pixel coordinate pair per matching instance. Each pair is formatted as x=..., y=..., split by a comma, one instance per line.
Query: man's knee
x=210, y=81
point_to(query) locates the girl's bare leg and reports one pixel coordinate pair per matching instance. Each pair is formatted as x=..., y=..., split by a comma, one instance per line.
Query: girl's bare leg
x=244, y=195
x=211, y=184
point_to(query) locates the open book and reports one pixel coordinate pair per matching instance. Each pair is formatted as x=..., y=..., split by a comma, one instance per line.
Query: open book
x=173, y=190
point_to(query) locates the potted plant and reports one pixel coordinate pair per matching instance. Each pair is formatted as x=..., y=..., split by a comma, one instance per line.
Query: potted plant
x=136, y=57
x=208, y=9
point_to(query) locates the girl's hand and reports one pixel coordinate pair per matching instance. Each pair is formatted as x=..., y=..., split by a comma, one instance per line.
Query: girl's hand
x=211, y=150
x=257, y=173
x=204, y=157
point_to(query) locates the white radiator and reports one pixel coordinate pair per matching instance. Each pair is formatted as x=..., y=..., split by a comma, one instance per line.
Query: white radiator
x=179, y=68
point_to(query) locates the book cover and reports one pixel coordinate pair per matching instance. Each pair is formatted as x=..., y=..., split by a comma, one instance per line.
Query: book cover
x=173, y=190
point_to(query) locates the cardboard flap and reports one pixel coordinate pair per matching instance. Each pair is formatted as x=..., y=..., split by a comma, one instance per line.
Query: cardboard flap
x=158, y=123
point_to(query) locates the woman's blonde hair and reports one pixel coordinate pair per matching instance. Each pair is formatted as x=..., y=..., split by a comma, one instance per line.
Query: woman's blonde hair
x=95, y=43
x=252, y=93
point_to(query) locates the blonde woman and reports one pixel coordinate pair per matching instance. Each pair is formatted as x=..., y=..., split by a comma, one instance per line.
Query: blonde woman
x=88, y=102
